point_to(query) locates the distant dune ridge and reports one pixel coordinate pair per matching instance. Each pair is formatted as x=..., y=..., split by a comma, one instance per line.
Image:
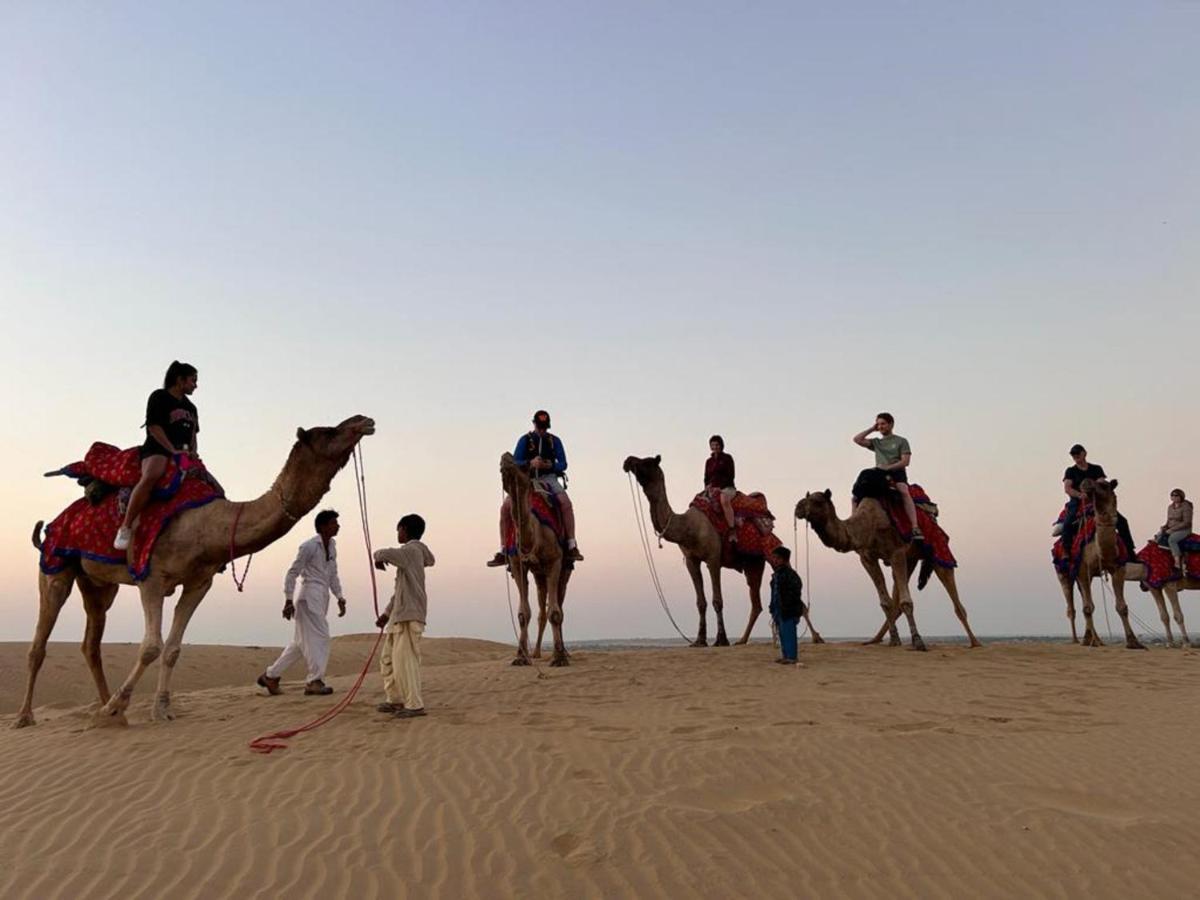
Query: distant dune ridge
x=1015, y=770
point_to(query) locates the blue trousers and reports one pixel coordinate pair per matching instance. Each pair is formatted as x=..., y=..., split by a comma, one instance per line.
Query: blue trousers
x=787, y=636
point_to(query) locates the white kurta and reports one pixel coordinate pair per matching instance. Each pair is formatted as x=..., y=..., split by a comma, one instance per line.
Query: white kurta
x=310, y=639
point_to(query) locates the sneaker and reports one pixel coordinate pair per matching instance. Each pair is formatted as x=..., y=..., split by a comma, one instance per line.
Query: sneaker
x=574, y=555
x=498, y=560
x=271, y=684
x=410, y=713
x=124, y=536
x=318, y=688
x=917, y=536
x=1056, y=530
x=386, y=707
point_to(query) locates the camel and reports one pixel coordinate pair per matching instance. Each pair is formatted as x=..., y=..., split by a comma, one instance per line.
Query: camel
x=700, y=543
x=193, y=548
x=869, y=532
x=539, y=553
x=1099, y=558
x=1136, y=571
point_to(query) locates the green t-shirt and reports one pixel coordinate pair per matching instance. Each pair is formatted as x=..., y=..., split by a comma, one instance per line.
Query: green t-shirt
x=889, y=449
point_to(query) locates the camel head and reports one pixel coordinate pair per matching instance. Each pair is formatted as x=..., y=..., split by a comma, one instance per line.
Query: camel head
x=816, y=507
x=513, y=474
x=334, y=445
x=646, y=471
x=1102, y=495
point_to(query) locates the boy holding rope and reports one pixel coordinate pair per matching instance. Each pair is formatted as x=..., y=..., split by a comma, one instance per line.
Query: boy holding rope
x=404, y=618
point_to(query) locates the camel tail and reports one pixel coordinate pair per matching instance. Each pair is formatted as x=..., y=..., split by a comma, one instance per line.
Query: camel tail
x=924, y=574
x=37, y=535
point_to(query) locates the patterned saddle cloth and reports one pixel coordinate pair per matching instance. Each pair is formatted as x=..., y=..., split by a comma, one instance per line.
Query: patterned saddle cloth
x=1160, y=565
x=752, y=519
x=936, y=545
x=546, y=510
x=86, y=528
x=1068, y=564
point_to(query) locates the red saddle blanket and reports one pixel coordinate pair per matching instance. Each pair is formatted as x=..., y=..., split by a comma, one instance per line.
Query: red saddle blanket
x=547, y=511
x=936, y=546
x=85, y=530
x=1086, y=533
x=1160, y=565
x=751, y=518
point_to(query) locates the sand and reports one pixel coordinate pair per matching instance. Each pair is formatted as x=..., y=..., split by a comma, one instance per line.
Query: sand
x=1015, y=770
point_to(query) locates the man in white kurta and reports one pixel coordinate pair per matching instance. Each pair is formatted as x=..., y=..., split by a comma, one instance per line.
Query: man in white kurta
x=316, y=568
x=404, y=618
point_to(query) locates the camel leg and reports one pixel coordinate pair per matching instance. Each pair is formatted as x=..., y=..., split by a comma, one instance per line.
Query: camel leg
x=1162, y=614
x=537, y=647
x=903, y=598
x=53, y=591
x=1090, y=637
x=548, y=594
x=875, y=571
x=184, y=608
x=946, y=577
x=521, y=577
x=97, y=600
x=714, y=572
x=1131, y=638
x=1173, y=596
x=1068, y=589
x=754, y=577
x=693, y=567
x=113, y=712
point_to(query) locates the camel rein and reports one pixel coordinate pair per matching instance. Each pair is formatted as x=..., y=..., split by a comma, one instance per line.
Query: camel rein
x=644, y=535
x=276, y=740
x=237, y=517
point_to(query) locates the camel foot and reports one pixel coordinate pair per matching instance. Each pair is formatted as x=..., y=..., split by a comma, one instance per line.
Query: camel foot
x=975, y=642
x=1185, y=644
x=918, y=644
x=162, y=711
x=560, y=660
x=699, y=642
x=24, y=720
x=522, y=661
x=817, y=639
x=1134, y=644
x=723, y=641
x=106, y=718
x=536, y=654
x=895, y=641
x=1092, y=640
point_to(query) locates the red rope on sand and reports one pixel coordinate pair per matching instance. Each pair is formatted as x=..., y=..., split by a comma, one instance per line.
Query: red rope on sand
x=276, y=739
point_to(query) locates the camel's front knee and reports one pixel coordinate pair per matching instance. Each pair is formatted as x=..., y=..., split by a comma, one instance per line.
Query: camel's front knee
x=171, y=656
x=556, y=617
x=151, y=652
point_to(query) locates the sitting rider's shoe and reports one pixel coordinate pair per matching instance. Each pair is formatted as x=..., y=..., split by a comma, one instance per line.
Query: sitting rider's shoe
x=318, y=687
x=917, y=536
x=574, y=555
x=1056, y=530
x=271, y=684
x=124, y=536
x=498, y=560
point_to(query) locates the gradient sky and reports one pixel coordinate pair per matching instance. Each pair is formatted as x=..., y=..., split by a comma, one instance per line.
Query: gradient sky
x=766, y=220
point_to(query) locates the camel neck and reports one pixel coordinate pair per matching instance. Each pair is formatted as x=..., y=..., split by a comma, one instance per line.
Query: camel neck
x=660, y=507
x=832, y=531
x=295, y=492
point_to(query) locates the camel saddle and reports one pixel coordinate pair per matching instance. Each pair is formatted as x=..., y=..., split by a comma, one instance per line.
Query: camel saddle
x=86, y=528
x=752, y=519
x=1160, y=564
x=546, y=509
x=936, y=546
x=1068, y=563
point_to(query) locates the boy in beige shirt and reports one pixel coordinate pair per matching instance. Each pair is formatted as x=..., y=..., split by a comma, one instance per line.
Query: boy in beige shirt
x=404, y=618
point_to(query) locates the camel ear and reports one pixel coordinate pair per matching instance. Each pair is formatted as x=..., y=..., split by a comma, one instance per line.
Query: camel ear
x=828, y=494
x=302, y=435
x=658, y=458
x=1113, y=483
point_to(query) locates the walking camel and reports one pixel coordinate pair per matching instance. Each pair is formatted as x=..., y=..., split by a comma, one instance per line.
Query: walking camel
x=188, y=554
x=700, y=543
x=1099, y=558
x=538, y=553
x=869, y=532
x=1136, y=571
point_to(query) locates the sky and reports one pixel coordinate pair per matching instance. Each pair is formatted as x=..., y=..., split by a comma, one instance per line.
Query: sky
x=657, y=221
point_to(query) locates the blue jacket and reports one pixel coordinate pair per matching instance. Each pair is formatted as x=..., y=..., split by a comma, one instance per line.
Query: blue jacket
x=547, y=446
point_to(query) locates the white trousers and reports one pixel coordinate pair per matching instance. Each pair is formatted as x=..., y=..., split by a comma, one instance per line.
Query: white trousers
x=400, y=664
x=310, y=638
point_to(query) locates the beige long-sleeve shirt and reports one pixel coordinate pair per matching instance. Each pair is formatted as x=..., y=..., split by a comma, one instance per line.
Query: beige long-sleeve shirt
x=409, y=601
x=1179, y=518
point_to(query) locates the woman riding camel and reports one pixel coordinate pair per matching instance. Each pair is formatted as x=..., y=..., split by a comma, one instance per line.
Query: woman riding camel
x=1178, y=527
x=171, y=427
x=718, y=480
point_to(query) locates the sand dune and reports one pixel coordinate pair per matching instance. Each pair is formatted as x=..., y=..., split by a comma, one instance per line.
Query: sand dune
x=1043, y=770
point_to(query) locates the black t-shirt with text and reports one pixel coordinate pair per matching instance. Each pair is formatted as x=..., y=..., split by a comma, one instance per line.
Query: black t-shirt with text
x=1076, y=475
x=178, y=418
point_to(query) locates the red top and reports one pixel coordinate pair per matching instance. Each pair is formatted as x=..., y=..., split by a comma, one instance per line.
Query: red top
x=718, y=471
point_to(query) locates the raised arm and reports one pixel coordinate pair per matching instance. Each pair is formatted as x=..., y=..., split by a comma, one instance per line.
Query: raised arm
x=862, y=440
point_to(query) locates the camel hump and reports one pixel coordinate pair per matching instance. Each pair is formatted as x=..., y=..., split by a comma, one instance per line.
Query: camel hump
x=37, y=535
